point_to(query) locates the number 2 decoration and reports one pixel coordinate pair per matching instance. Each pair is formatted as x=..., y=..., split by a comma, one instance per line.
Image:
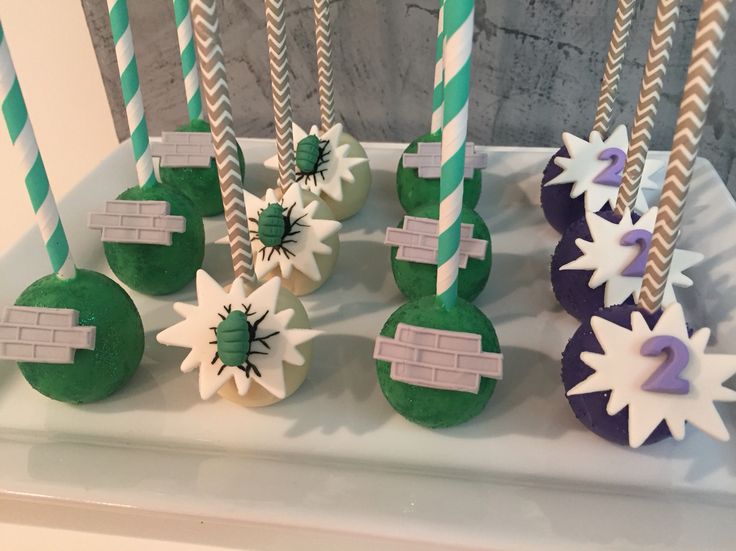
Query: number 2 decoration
x=666, y=378
x=642, y=238
x=611, y=175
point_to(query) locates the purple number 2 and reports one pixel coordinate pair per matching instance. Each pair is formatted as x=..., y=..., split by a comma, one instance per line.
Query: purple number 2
x=611, y=175
x=666, y=378
x=643, y=239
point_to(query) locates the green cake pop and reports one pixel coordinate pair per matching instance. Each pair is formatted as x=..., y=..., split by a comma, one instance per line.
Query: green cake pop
x=199, y=184
x=143, y=264
x=81, y=326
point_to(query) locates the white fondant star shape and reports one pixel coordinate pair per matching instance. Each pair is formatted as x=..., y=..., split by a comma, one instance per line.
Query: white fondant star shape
x=338, y=166
x=622, y=370
x=608, y=259
x=306, y=238
x=583, y=166
x=197, y=331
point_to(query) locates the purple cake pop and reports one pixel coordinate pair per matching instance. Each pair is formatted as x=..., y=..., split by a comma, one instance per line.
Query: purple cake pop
x=559, y=208
x=603, y=265
x=571, y=287
x=590, y=408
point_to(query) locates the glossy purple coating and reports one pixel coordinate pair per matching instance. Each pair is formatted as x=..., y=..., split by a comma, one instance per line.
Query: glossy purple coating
x=666, y=378
x=571, y=286
x=643, y=239
x=590, y=408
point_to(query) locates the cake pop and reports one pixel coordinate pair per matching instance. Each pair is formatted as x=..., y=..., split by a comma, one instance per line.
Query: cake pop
x=140, y=255
x=413, y=189
x=594, y=164
x=330, y=162
x=76, y=334
x=198, y=183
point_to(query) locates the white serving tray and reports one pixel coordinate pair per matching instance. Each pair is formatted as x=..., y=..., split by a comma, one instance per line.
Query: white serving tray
x=335, y=458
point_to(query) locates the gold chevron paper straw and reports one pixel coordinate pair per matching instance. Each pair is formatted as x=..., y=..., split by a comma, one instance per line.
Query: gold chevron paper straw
x=665, y=24
x=324, y=64
x=688, y=130
x=276, y=30
x=614, y=61
x=217, y=100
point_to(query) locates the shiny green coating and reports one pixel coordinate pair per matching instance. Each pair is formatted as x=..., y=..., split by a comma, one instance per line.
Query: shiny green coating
x=119, y=340
x=200, y=184
x=307, y=154
x=415, y=191
x=271, y=225
x=418, y=280
x=233, y=339
x=434, y=407
x=160, y=269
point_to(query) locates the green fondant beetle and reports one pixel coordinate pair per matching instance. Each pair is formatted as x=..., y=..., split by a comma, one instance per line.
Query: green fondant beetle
x=271, y=225
x=307, y=154
x=233, y=339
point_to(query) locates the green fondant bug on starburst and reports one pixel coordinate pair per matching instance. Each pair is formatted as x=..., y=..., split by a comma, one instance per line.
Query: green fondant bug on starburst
x=235, y=337
x=276, y=228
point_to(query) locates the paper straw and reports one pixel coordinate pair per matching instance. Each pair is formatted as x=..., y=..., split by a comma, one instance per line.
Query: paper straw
x=37, y=182
x=665, y=23
x=128, y=70
x=614, y=61
x=438, y=94
x=188, y=59
x=458, y=25
x=688, y=130
x=324, y=64
x=276, y=30
x=217, y=100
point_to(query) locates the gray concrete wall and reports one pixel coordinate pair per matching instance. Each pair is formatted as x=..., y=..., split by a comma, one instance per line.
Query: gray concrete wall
x=537, y=66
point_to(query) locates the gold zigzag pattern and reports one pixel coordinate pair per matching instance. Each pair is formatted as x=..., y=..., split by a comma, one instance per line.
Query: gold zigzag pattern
x=665, y=25
x=688, y=130
x=217, y=99
x=614, y=61
x=324, y=63
x=275, y=28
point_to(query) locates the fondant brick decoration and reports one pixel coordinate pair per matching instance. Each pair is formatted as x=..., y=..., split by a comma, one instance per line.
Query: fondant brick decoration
x=427, y=159
x=417, y=241
x=146, y=222
x=45, y=335
x=450, y=360
x=178, y=149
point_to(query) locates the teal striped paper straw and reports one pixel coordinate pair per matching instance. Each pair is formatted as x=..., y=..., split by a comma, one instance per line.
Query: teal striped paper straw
x=438, y=95
x=37, y=182
x=128, y=69
x=188, y=59
x=458, y=28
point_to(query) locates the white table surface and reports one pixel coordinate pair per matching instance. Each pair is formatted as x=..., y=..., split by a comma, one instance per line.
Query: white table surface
x=334, y=465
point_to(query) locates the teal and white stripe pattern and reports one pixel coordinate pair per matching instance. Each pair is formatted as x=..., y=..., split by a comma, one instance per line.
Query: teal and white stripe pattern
x=438, y=95
x=458, y=28
x=188, y=59
x=37, y=182
x=128, y=69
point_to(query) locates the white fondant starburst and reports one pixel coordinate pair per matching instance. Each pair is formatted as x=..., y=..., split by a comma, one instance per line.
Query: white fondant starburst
x=622, y=370
x=583, y=166
x=608, y=258
x=278, y=344
x=304, y=240
x=337, y=168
